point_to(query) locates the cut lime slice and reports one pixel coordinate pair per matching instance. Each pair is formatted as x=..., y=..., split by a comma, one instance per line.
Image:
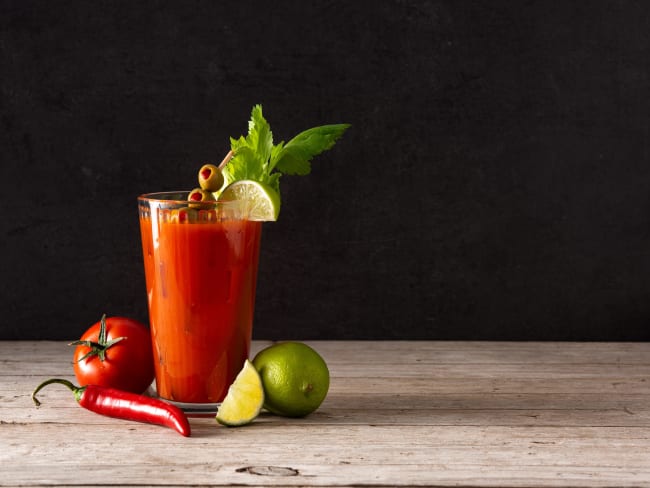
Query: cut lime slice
x=261, y=202
x=244, y=399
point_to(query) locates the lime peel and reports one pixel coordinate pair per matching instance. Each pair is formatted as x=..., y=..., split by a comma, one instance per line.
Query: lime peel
x=244, y=400
x=295, y=378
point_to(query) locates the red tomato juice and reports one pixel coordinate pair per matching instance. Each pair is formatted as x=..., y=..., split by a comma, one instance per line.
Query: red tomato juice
x=200, y=279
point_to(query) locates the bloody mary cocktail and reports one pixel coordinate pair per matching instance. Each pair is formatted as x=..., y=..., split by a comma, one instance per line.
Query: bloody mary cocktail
x=201, y=270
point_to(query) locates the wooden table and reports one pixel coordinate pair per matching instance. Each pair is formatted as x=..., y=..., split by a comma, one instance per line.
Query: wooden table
x=398, y=413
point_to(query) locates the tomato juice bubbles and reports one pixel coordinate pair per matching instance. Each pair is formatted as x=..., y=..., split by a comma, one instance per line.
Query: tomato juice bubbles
x=200, y=262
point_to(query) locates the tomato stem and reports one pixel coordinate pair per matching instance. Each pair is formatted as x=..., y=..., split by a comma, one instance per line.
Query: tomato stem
x=100, y=347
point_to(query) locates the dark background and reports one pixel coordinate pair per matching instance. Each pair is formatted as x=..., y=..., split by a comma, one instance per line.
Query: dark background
x=495, y=183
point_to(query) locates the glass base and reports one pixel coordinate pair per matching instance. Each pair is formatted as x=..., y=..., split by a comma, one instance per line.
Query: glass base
x=190, y=409
x=196, y=409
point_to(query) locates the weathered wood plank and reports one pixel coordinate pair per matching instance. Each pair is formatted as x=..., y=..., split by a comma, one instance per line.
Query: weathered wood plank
x=386, y=417
x=398, y=413
x=428, y=370
x=468, y=352
x=361, y=454
x=407, y=352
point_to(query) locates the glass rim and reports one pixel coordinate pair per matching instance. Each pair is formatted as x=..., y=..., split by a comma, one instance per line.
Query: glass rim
x=178, y=197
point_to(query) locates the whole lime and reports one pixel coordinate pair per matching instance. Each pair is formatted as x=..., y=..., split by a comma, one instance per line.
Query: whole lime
x=295, y=378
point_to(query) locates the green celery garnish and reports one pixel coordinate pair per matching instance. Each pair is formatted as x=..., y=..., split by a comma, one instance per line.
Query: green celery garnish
x=255, y=157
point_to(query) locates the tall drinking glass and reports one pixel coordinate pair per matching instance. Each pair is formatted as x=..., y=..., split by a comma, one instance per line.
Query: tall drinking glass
x=201, y=270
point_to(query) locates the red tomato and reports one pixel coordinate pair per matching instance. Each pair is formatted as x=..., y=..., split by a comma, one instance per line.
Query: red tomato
x=115, y=352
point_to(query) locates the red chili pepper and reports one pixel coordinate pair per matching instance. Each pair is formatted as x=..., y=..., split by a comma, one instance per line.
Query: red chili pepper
x=124, y=405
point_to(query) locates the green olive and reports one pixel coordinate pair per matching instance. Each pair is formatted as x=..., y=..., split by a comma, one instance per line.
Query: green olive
x=199, y=195
x=187, y=215
x=210, y=177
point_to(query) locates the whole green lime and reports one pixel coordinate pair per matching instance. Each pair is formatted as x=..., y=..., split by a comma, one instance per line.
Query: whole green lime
x=295, y=378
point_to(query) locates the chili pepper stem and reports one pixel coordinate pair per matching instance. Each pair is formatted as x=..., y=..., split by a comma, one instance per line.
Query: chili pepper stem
x=78, y=391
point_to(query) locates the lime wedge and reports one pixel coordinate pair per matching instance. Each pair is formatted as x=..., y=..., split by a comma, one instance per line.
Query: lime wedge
x=262, y=202
x=244, y=399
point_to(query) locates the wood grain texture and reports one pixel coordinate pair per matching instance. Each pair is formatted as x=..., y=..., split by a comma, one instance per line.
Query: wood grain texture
x=399, y=413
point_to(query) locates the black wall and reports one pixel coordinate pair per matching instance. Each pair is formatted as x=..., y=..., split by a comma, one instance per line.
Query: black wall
x=495, y=183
